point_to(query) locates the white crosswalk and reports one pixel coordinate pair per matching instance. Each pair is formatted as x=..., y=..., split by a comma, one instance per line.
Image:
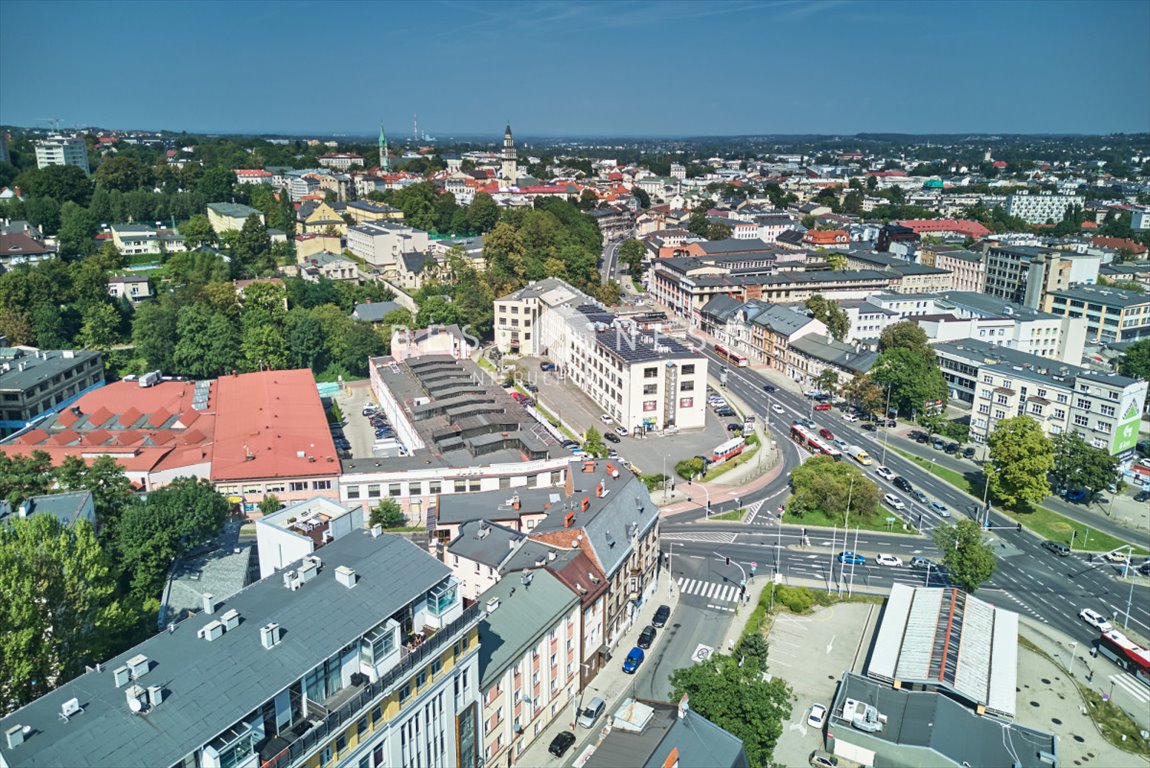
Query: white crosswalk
x=713, y=537
x=1133, y=686
x=709, y=590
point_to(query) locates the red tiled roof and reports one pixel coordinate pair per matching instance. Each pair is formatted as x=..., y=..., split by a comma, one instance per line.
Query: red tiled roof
x=962, y=226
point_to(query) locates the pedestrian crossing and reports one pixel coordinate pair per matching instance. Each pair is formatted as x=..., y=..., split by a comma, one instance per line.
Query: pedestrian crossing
x=1132, y=686
x=709, y=590
x=712, y=537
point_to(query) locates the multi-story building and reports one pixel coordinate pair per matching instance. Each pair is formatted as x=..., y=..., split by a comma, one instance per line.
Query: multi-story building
x=298, y=530
x=966, y=268
x=341, y=160
x=134, y=288
x=380, y=243
x=1043, y=208
x=867, y=321
x=253, y=176
x=140, y=239
x=531, y=675
x=38, y=382
x=366, y=657
x=18, y=248
x=1025, y=274
x=1111, y=314
x=62, y=150
x=231, y=217
x=809, y=356
x=68, y=508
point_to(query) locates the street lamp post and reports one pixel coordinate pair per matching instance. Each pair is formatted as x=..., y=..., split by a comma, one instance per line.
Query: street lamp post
x=885, y=428
x=1073, y=649
x=708, y=493
x=670, y=572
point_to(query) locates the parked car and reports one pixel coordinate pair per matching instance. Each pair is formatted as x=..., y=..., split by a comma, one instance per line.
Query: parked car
x=1095, y=619
x=369, y=409
x=569, y=444
x=662, y=613
x=968, y=452
x=592, y=712
x=822, y=406
x=951, y=448
x=922, y=438
x=938, y=443
x=633, y=660
x=940, y=508
x=646, y=637
x=890, y=561
x=824, y=432
x=818, y=716
x=851, y=558
x=732, y=427
x=902, y=484
x=530, y=387
x=726, y=413
x=915, y=434
x=869, y=427
x=561, y=743
x=611, y=437
x=547, y=366
x=605, y=419
x=620, y=431
x=894, y=502
x=1077, y=495
x=886, y=473
x=821, y=759
x=1142, y=496
x=850, y=417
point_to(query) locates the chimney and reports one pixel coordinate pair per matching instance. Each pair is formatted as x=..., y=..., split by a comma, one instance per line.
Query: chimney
x=209, y=603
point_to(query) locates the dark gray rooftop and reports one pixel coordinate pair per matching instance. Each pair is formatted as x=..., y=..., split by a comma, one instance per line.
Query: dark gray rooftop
x=529, y=605
x=700, y=743
x=65, y=507
x=945, y=727
x=1113, y=297
x=982, y=353
x=837, y=353
x=209, y=686
x=375, y=311
x=486, y=543
x=22, y=369
x=636, y=348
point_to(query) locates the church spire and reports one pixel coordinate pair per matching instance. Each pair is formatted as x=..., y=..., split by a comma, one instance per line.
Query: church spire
x=384, y=163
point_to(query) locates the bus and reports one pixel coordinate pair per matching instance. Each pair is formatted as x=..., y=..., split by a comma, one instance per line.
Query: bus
x=1132, y=657
x=806, y=438
x=727, y=450
x=734, y=358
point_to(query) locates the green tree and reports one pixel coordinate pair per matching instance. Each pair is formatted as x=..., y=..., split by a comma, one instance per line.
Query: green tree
x=968, y=557
x=904, y=334
x=865, y=393
x=1135, y=363
x=593, y=443
x=44, y=212
x=207, y=344
x=56, y=600
x=198, y=231
x=62, y=183
x=913, y=379
x=24, y=476
x=483, y=213
x=104, y=478
x=388, y=514
x=505, y=253
x=154, y=334
x=358, y=343
x=101, y=327
x=823, y=486
x=263, y=347
x=718, y=231
x=122, y=172
x=1021, y=456
x=217, y=185
x=1077, y=464
x=15, y=327
x=78, y=227
x=252, y=249
x=739, y=700
x=830, y=314
x=175, y=519
x=631, y=255
x=697, y=223
x=828, y=380
x=306, y=345
x=270, y=504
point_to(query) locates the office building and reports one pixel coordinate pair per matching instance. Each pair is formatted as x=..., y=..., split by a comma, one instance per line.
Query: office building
x=62, y=150
x=37, y=382
x=366, y=657
x=1025, y=274
x=1111, y=314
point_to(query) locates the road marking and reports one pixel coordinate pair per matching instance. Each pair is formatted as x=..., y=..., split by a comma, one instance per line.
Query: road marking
x=706, y=537
x=709, y=591
x=1132, y=686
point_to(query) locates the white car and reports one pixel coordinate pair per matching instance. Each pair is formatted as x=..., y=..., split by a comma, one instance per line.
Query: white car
x=776, y=408
x=894, y=501
x=1144, y=462
x=842, y=445
x=891, y=560
x=818, y=716
x=605, y=419
x=1095, y=619
x=621, y=432
x=886, y=473
x=1116, y=557
x=850, y=417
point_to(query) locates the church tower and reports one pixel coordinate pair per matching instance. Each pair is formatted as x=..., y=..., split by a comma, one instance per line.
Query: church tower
x=509, y=171
x=384, y=164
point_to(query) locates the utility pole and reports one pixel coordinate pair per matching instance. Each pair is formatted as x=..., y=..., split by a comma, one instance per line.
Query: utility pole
x=885, y=429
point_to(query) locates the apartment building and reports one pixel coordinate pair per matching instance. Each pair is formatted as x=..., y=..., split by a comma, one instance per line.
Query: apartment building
x=867, y=321
x=364, y=657
x=529, y=660
x=140, y=239
x=298, y=530
x=341, y=160
x=381, y=242
x=1111, y=314
x=1042, y=208
x=966, y=268
x=38, y=382
x=62, y=150
x=134, y=288
x=231, y=217
x=253, y=176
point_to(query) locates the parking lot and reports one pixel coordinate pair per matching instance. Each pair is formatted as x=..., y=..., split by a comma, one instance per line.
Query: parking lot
x=811, y=653
x=572, y=407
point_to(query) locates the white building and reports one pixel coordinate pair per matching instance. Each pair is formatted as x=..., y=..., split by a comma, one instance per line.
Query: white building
x=381, y=242
x=296, y=531
x=1041, y=208
x=62, y=150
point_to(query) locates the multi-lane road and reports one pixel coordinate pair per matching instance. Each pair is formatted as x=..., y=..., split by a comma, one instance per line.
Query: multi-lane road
x=1028, y=579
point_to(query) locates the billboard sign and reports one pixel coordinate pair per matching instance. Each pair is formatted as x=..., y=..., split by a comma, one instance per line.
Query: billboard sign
x=1126, y=431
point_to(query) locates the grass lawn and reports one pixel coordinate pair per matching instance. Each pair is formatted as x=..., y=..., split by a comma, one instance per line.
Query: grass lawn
x=727, y=466
x=876, y=522
x=734, y=514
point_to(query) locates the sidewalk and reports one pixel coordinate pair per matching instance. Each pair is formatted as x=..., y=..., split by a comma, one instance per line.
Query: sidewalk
x=611, y=684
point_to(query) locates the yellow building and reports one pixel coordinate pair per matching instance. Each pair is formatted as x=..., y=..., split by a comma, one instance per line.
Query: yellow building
x=230, y=217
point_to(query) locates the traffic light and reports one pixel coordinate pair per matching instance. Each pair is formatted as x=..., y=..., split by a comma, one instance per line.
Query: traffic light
x=1020, y=527
x=728, y=561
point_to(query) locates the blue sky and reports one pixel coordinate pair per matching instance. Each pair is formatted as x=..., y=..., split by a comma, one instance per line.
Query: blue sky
x=580, y=68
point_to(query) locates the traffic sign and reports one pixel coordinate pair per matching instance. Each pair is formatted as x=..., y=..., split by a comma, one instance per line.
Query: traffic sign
x=754, y=564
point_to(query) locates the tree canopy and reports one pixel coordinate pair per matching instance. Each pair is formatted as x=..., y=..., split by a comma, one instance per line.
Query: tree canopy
x=912, y=376
x=1136, y=361
x=830, y=314
x=825, y=487
x=1077, y=464
x=1021, y=456
x=968, y=557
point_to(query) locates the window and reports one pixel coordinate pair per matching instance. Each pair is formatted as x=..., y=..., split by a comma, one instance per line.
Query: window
x=650, y=389
x=1103, y=426
x=405, y=692
x=984, y=409
x=353, y=491
x=436, y=666
x=373, y=491
x=1062, y=398
x=686, y=386
x=999, y=414
x=687, y=370
x=650, y=373
x=1000, y=399
x=420, y=679
x=297, y=486
x=987, y=379
x=1036, y=409
x=395, y=489
x=1059, y=413
x=321, y=485
x=434, y=487
x=460, y=486
x=341, y=743
x=1081, y=421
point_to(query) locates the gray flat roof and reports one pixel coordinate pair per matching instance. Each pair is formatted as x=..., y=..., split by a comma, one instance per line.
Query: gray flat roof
x=29, y=368
x=65, y=507
x=1110, y=296
x=209, y=686
x=529, y=605
x=700, y=743
x=993, y=354
x=485, y=542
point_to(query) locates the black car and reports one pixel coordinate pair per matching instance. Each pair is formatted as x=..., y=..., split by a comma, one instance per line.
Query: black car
x=726, y=413
x=646, y=637
x=951, y=448
x=968, y=452
x=561, y=743
x=915, y=434
x=938, y=444
x=922, y=438
x=662, y=613
x=1142, y=496
x=768, y=387
x=734, y=427
x=902, y=484
x=530, y=387
x=611, y=437
x=870, y=427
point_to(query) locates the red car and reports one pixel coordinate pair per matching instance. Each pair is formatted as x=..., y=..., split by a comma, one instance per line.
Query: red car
x=824, y=432
x=822, y=406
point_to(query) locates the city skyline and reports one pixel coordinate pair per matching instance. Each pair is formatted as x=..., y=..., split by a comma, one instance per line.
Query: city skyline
x=584, y=69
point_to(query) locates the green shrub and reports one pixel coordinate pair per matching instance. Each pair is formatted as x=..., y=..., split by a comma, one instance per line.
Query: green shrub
x=797, y=599
x=688, y=468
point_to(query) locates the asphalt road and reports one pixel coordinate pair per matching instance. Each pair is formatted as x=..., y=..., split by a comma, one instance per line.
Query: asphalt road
x=610, y=261
x=1028, y=578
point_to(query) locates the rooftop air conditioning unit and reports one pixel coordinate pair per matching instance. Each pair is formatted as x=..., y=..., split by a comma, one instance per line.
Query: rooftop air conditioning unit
x=15, y=736
x=492, y=605
x=139, y=666
x=292, y=580
x=211, y=631
x=121, y=676
x=270, y=635
x=231, y=619
x=346, y=576
x=69, y=708
x=155, y=695
x=307, y=571
x=376, y=530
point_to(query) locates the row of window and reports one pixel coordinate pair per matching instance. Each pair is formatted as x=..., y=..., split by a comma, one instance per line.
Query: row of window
x=436, y=487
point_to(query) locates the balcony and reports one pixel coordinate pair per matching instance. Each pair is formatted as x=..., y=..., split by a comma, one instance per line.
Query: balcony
x=298, y=744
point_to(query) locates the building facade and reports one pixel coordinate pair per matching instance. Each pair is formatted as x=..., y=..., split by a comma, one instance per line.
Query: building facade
x=1111, y=314
x=35, y=382
x=62, y=150
x=1042, y=208
x=231, y=217
x=380, y=243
